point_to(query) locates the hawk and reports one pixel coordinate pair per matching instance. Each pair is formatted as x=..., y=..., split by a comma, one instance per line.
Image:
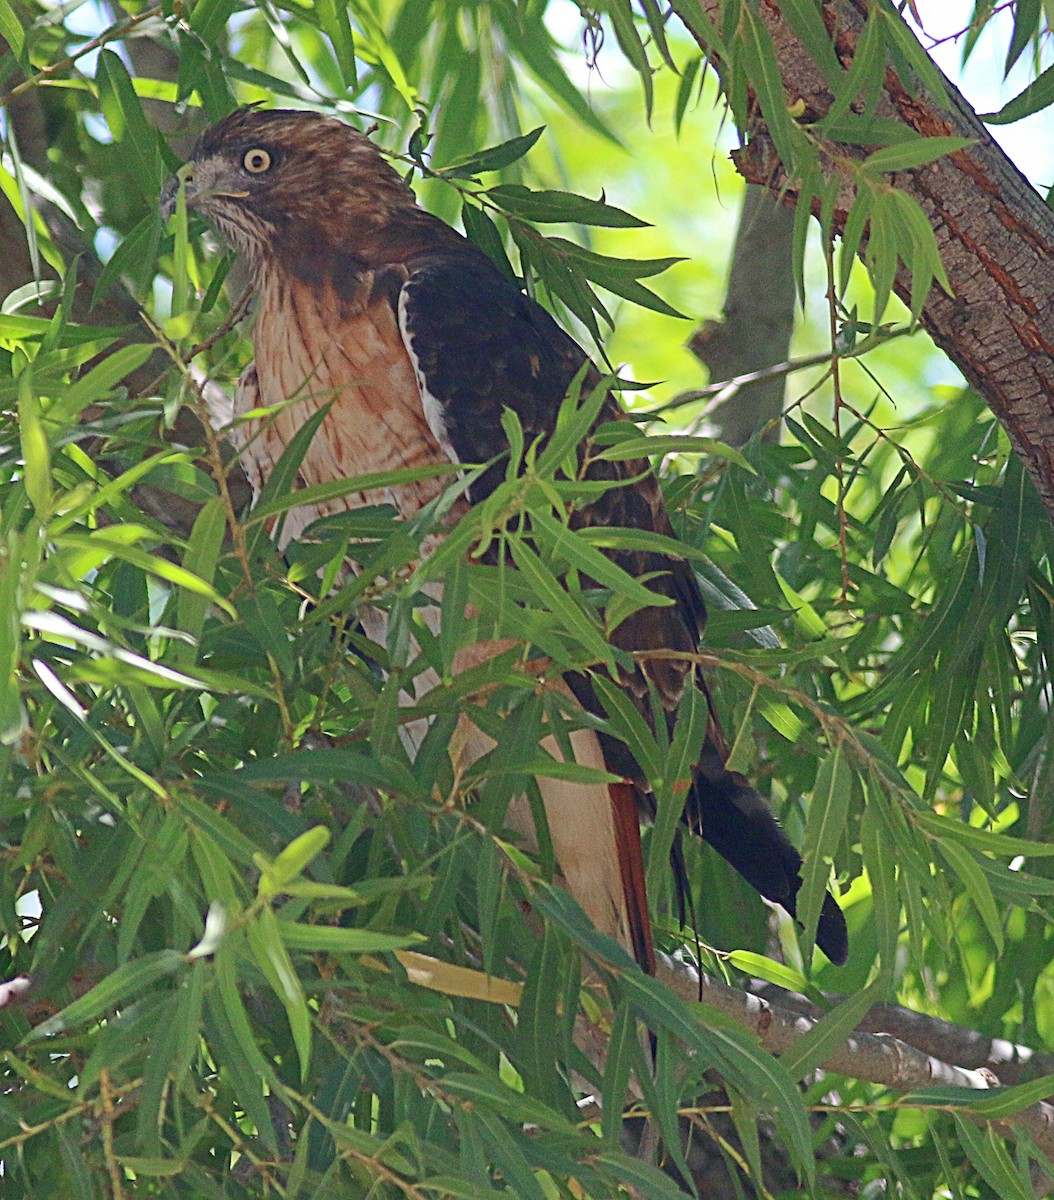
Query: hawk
x=369, y=303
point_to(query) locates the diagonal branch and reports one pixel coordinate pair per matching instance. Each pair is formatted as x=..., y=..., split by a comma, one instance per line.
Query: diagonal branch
x=993, y=230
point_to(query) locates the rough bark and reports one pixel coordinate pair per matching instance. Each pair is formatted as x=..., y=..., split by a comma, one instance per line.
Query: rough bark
x=758, y=320
x=994, y=232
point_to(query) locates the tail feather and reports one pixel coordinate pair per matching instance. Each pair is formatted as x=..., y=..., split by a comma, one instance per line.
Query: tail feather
x=729, y=814
x=631, y=868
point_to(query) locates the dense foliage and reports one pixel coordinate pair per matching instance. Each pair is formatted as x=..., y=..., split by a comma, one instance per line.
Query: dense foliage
x=270, y=952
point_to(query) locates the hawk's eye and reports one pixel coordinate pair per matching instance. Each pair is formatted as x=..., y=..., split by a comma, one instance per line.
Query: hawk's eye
x=256, y=161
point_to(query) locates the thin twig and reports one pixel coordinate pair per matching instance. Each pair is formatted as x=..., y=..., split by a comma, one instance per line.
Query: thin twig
x=114, y=33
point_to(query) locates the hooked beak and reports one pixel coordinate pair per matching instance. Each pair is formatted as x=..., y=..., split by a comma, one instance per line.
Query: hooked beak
x=198, y=187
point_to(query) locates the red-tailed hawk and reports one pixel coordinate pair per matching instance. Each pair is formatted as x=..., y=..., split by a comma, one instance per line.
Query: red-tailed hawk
x=366, y=301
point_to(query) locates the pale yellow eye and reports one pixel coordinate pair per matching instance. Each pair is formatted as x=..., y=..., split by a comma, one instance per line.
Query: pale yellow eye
x=256, y=161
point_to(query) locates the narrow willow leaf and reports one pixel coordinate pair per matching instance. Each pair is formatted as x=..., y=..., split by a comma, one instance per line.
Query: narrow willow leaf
x=334, y=939
x=824, y=831
x=879, y=859
x=120, y=987
x=1027, y=15
x=97, y=383
x=200, y=559
x=321, y=493
x=977, y=888
x=492, y=1094
x=507, y=1157
x=333, y=17
x=659, y=443
x=554, y=597
x=550, y=206
x=124, y=114
x=565, y=544
x=735, y=1053
x=684, y=91
x=641, y=1178
x=994, y=1164
x=831, y=1031
x=11, y=29
x=36, y=454
x=805, y=19
x=320, y=765
x=985, y=841
x=272, y=957
x=630, y=726
x=1037, y=96
x=618, y=1066
x=282, y=479
x=107, y=543
x=1004, y=1102
x=866, y=75
x=538, y=1033
x=532, y=42
x=481, y=229
x=629, y=40
x=493, y=158
x=899, y=35
x=298, y=856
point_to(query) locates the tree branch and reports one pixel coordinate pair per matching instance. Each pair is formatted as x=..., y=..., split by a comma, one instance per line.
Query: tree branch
x=758, y=320
x=993, y=230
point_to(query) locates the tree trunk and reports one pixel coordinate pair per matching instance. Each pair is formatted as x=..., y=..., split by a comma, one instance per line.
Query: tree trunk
x=758, y=320
x=994, y=232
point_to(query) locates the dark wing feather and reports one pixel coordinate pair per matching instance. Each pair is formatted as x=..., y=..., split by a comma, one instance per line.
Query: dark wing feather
x=480, y=345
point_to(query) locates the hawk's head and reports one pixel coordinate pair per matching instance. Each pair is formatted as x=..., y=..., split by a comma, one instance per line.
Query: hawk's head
x=282, y=181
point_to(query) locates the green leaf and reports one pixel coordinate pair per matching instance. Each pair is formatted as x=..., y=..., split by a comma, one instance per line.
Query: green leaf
x=11, y=29
x=319, y=765
x=1037, y=96
x=297, y=856
x=553, y=596
x=269, y=950
x=684, y=91
x=120, y=987
x=641, y=1178
x=565, y=543
x=659, y=443
x=985, y=841
x=105, y=544
x=880, y=860
x=990, y=1157
x=493, y=158
x=128, y=124
x=36, y=454
x=333, y=939
x=491, y=1094
x=200, y=559
x=914, y=154
x=831, y=1031
x=333, y=17
x=1004, y=1102
x=622, y=1053
x=482, y=230
x=977, y=888
x=322, y=493
x=805, y=18
x=548, y=206
x=629, y=40
x=532, y=42
x=824, y=831
x=899, y=35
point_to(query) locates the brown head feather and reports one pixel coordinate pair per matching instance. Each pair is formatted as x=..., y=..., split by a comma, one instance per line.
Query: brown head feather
x=326, y=195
